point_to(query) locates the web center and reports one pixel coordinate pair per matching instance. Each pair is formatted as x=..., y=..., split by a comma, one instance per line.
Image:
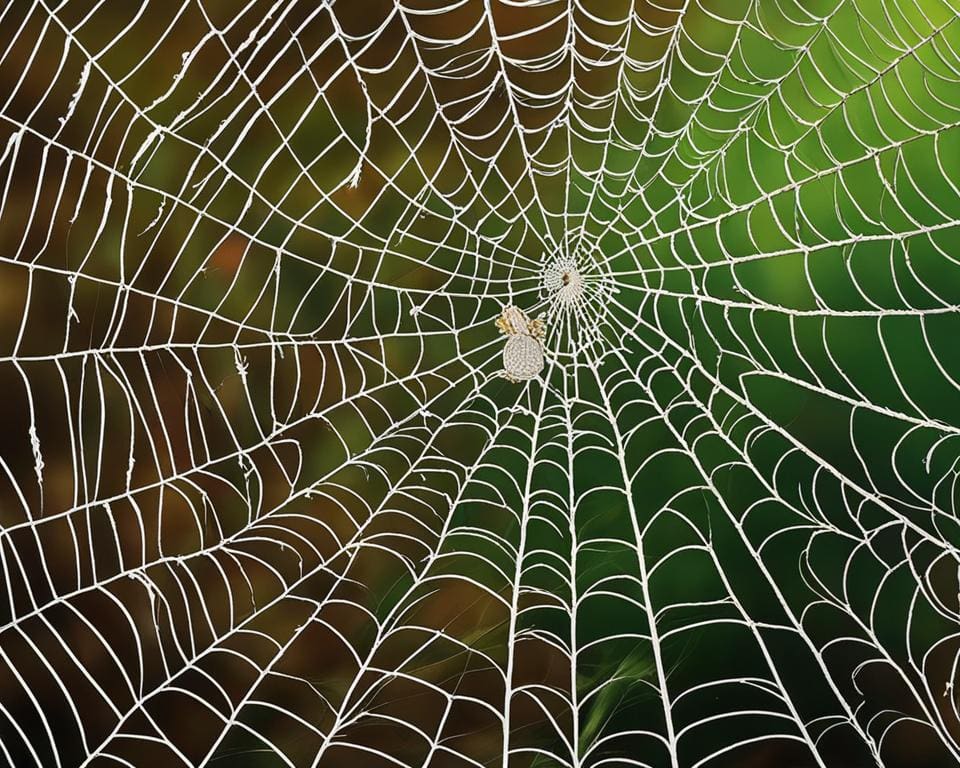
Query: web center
x=563, y=283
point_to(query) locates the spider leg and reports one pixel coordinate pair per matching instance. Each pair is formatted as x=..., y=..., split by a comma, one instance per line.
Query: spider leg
x=537, y=328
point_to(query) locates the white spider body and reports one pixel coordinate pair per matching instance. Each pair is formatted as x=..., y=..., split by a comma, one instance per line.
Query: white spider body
x=522, y=358
x=523, y=352
x=515, y=320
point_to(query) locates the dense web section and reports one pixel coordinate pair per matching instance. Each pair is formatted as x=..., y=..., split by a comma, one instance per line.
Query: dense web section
x=265, y=498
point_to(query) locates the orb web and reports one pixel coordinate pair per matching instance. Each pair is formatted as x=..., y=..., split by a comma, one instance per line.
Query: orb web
x=263, y=495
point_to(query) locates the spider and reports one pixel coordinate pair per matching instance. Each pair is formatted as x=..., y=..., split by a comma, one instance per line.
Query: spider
x=523, y=352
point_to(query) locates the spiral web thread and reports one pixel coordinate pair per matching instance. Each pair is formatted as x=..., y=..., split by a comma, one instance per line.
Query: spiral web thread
x=263, y=494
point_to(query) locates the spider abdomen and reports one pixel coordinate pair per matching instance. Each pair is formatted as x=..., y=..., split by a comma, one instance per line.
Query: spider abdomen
x=522, y=357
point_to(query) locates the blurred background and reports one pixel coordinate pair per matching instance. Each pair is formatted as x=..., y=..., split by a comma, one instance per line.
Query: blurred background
x=264, y=499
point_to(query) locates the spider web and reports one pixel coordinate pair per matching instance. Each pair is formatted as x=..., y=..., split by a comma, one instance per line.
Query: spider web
x=264, y=497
